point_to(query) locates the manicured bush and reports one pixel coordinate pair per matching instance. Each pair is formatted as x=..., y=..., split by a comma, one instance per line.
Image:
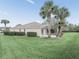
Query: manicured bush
x=31, y=34
x=9, y=33
x=70, y=31
x=20, y=33
x=14, y=33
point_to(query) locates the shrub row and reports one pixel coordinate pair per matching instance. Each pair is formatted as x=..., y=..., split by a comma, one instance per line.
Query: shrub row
x=31, y=34
x=70, y=31
x=14, y=33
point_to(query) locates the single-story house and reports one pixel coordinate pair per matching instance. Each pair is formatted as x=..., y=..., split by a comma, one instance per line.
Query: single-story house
x=32, y=27
x=3, y=29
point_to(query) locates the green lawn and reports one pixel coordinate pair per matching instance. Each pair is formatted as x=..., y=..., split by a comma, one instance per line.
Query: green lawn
x=15, y=47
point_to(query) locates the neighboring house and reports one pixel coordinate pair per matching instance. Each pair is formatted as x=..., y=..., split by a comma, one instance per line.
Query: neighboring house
x=3, y=28
x=32, y=27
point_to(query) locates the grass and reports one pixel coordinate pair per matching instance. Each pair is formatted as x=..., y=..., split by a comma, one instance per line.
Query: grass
x=17, y=47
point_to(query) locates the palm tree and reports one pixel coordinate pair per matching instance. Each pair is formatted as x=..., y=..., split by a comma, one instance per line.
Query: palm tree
x=5, y=22
x=62, y=14
x=46, y=10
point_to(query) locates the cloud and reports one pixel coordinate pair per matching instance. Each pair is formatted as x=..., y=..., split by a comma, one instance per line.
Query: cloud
x=3, y=12
x=30, y=1
x=5, y=15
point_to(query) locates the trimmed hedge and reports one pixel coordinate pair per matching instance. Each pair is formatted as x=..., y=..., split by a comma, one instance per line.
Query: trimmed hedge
x=70, y=31
x=14, y=33
x=31, y=34
x=20, y=33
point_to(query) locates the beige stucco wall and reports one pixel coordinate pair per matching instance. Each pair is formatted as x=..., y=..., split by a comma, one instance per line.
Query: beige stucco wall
x=44, y=32
x=17, y=30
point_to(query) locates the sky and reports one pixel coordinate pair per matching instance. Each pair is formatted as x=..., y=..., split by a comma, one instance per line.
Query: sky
x=25, y=11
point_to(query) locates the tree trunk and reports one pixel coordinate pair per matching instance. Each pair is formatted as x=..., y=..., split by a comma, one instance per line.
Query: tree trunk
x=60, y=27
x=60, y=32
x=49, y=32
x=5, y=27
x=57, y=32
x=49, y=25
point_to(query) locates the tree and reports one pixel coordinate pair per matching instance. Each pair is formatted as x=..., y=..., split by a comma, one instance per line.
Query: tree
x=46, y=10
x=5, y=22
x=62, y=14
